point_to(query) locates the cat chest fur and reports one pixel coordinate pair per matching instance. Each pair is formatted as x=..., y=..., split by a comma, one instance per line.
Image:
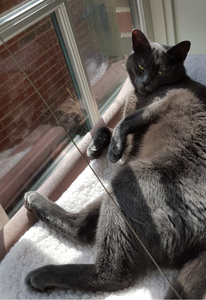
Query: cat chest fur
x=174, y=127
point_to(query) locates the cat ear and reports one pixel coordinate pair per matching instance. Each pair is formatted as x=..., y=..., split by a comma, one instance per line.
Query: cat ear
x=139, y=40
x=180, y=50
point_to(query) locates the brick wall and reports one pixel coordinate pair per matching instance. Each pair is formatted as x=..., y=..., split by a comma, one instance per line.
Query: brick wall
x=81, y=26
x=96, y=27
x=21, y=109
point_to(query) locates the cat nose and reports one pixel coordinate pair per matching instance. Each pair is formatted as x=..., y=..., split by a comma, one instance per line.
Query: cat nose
x=145, y=80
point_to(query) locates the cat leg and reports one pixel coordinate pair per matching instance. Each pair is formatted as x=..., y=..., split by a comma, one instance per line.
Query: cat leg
x=111, y=270
x=103, y=135
x=100, y=142
x=78, y=227
x=131, y=104
x=131, y=124
x=190, y=283
x=78, y=277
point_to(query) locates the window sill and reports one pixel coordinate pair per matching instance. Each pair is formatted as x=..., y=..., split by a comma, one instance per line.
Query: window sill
x=63, y=177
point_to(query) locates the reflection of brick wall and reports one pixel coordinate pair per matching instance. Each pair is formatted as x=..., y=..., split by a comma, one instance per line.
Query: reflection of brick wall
x=21, y=110
x=124, y=19
x=125, y=24
x=82, y=29
x=96, y=27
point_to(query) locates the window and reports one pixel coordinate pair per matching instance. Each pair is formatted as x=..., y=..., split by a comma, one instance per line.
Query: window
x=98, y=27
x=7, y=6
x=73, y=52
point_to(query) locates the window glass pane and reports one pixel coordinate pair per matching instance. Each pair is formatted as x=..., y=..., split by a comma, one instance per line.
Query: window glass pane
x=7, y=6
x=31, y=139
x=103, y=32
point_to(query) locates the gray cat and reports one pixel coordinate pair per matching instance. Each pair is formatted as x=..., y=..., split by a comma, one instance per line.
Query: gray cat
x=160, y=189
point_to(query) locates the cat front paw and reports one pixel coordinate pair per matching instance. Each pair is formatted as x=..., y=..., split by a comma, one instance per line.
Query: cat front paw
x=114, y=153
x=94, y=150
x=99, y=143
x=116, y=146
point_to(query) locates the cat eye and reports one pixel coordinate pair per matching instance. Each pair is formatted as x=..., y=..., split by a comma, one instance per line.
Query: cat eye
x=140, y=67
x=160, y=72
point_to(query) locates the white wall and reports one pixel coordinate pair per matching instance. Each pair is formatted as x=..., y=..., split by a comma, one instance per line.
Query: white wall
x=177, y=20
x=190, y=23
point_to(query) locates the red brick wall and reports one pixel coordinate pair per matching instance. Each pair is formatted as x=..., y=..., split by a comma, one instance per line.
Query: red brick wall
x=124, y=21
x=21, y=109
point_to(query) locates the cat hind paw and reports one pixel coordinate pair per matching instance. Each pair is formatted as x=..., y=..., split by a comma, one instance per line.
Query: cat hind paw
x=35, y=280
x=34, y=201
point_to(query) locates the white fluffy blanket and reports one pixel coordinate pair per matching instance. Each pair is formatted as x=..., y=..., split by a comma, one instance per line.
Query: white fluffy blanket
x=41, y=245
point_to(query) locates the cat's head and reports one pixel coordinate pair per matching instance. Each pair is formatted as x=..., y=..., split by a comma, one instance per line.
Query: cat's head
x=152, y=65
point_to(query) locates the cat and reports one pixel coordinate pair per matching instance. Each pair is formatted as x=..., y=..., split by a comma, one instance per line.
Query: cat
x=160, y=188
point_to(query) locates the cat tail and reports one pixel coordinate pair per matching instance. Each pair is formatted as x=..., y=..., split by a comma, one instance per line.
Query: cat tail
x=190, y=283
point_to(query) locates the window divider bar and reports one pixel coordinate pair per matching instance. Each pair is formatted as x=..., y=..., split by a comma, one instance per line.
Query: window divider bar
x=26, y=19
x=78, y=68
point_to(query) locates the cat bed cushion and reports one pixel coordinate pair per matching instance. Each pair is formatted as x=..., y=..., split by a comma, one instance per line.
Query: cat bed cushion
x=41, y=245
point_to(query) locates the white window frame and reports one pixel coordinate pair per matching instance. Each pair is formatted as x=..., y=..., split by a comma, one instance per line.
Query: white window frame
x=163, y=21
x=157, y=20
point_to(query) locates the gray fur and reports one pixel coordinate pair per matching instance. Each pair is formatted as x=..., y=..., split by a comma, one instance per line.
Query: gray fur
x=160, y=188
